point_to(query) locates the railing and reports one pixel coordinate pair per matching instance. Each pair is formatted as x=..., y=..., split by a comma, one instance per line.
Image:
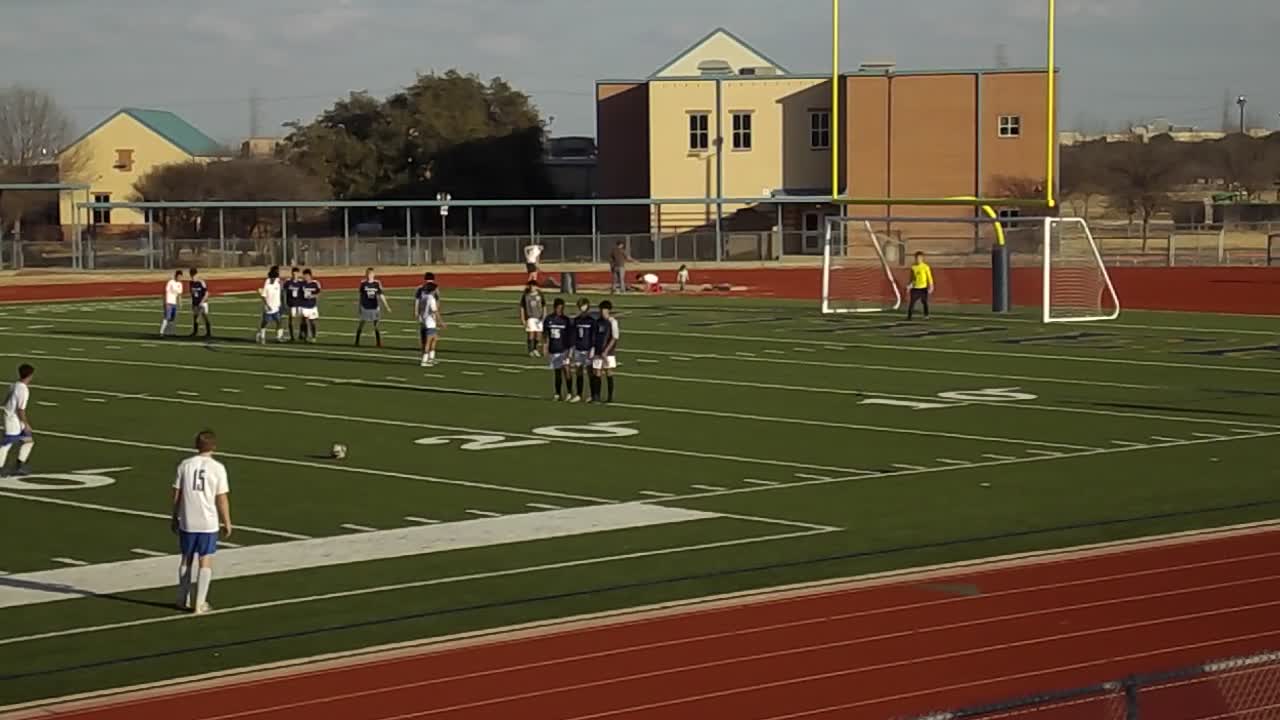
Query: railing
x=1242, y=688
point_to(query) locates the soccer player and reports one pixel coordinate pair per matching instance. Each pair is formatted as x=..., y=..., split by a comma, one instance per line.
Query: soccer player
x=682, y=277
x=172, y=295
x=17, y=426
x=372, y=301
x=199, y=502
x=557, y=342
x=271, y=293
x=921, y=286
x=532, y=254
x=581, y=328
x=199, y=305
x=426, y=303
x=533, y=310
x=309, y=306
x=293, y=302
x=604, y=344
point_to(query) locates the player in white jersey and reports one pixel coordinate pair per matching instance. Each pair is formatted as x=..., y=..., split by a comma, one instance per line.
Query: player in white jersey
x=271, y=293
x=427, y=307
x=199, y=503
x=17, y=427
x=172, y=295
x=532, y=254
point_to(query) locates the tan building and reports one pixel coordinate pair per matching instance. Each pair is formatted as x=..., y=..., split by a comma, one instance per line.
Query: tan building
x=119, y=151
x=723, y=120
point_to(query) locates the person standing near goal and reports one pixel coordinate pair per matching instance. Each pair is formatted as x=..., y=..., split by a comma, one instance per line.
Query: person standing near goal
x=199, y=503
x=532, y=254
x=533, y=310
x=920, y=287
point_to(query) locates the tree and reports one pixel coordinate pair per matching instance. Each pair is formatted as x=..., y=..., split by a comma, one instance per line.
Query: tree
x=1140, y=176
x=1082, y=174
x=1245, y=163
x=444, y=133
x=33, y=132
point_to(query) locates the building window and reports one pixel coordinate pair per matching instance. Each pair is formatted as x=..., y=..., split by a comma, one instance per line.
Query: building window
x=699, y=132
x=742, y=131
x=1010, y=126
x=124, y=161
x=101, y=216
x=1009, y=217
x=819, y=129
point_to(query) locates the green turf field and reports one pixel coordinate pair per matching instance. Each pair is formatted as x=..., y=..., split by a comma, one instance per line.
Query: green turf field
x=754, y=443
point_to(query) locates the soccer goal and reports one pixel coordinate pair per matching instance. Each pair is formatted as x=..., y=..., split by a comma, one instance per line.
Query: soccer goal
x=1076, y=285
x=856, y=274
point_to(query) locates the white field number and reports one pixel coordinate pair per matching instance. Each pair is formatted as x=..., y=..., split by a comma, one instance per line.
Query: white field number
x=57, y=481
x=486, y=441
x=955, y=398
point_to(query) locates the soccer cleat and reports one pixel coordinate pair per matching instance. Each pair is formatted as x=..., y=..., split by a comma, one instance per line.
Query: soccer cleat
x=575, y=398
x=21, y=471
x=204, y=608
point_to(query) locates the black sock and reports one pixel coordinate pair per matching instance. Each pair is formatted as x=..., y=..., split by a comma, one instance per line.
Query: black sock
x=595, y=387
x=377, y=335
x=609, y=379
x=359, y=329
x=580, y=384
x=559, y=382
x=208, y=328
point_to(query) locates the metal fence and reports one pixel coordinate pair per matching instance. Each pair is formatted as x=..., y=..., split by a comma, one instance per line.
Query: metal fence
x=1242, y=688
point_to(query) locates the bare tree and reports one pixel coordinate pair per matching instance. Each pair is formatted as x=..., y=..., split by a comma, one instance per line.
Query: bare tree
x=1140, y=176
x=33, y=131
x=1083, y=167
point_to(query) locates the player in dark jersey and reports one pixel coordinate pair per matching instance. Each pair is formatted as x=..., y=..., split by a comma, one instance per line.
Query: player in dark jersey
x=604, y=343
x=580, y=331
x=557, y=342
x=309, y=306
x=199, y=305
x=372, y=301
x=293, y=300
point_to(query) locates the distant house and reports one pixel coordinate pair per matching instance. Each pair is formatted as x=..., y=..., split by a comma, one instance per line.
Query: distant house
x=118, y=151
x=260, y=147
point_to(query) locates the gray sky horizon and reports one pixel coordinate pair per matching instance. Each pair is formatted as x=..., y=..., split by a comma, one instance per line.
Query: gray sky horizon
x=1123, y=61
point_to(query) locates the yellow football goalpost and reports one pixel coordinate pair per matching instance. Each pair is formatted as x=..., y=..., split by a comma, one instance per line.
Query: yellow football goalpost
x=1050, y=140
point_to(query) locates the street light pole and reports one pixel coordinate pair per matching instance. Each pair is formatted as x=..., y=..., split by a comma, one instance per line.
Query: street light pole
x=1242, y=102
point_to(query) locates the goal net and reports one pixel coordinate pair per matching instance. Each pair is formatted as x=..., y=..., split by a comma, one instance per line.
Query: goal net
x=1076, y=286
x=856, y=273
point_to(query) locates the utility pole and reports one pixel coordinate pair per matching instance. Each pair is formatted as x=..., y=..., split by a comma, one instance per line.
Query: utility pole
x=1242, y=102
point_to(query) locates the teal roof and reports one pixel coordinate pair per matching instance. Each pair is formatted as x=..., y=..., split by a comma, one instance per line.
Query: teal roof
x=182, y=134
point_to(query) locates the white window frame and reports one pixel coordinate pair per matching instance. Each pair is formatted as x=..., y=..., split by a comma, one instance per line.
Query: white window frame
x=1009, y=126
x=699, y=127
x=819, y=129
x=741, y=126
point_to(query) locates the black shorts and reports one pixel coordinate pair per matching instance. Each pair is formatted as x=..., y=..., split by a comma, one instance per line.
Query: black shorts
x=531, y=267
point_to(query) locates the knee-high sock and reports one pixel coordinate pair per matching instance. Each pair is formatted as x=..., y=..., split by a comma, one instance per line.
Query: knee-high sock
x=4, y=455
x=580, y=383
x=595, y=387
x=559, y=381
x=184, y=582
x=609, y=380
x=202, y=586
x=24, y=451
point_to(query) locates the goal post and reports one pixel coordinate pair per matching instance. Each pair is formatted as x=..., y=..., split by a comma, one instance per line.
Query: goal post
x=856, y=273
x=1075, y=284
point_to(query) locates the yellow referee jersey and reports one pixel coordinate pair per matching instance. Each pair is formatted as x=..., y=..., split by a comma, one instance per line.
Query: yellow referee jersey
x=921, y=276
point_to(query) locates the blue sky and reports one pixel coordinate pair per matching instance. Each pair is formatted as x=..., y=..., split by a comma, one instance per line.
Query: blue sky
x=1123, y=60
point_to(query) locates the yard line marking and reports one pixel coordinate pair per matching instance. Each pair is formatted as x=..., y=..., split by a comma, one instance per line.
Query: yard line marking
x=544, y=506
x=45, y=403
x=358, y=528
x=432, y=375
x=318, y=384
x=424, y=521
x=1206, y=435
x=804, y=350
x=275, y=387
x=681, y=358
x=37, y=352
x=393, y=378
x=655, y=493
x=1162, y=438
x=228, y=543
x=230, y=390
x=149, y=345
x=114, y=347
x=753, y=481
x=75, y=349
x=647, y=361
x=807, y=476
x=707, y=487
x=150, y=553
x=773, y=352
x=1046, y=453
x=188, y=393
x=836, y=348
x=483, y=513
x=948, y=461
x=1246, y=431
x=994, y=456
x=137, y=513
x=39, y=327
x=90, y=399
x=531, y=569
x=905, y=466
x=1126, y=443
x=69, y=561
x=318, y=465
x=511, y=371
x=472, y=373
x=745, y=354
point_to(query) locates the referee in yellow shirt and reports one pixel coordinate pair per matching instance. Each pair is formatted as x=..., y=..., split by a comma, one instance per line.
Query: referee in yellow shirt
x=921, y=286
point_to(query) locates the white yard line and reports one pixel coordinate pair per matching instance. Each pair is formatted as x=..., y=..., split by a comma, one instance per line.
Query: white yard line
x=92, y=400
x=473, y=373
x=1206, y=435
x=656, y=493
x=1162, y=438
x=357, y=528
x=1127, y=443
x=1046, y=453
x=230, y=390
x=322, y=466
x=274, y=387
x=948, y=461
x=422, y=520
x=136, y=513
x=707, y=487
x=994, y=456
x=69, y=561
x=150, y=553
x=483, y=513
x=753, y=481
x=411, y=585
x=906, y=466
x=543, y=506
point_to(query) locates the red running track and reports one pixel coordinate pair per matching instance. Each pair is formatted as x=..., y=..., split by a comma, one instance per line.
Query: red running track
x=871, y=651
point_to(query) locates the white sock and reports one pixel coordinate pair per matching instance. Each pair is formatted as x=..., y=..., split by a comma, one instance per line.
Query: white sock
x=279, y=334
x=184, y=583
x=432, y=355
x=24, y=451
x=164, y=327
x=202, y=586
x=4, y=455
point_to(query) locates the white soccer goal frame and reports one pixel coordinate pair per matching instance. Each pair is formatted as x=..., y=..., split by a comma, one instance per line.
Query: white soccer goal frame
x=1047, y=286
x=832, y=222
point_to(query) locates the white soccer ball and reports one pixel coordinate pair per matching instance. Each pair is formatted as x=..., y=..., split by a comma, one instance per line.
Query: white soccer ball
x=338, y=451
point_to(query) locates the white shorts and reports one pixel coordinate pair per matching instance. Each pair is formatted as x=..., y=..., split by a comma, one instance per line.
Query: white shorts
x=295, y=311
x=558, y=361
x=309, y=313
x=370, y=315
x=581, y=358
x=533, y=325
x=607, y=362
